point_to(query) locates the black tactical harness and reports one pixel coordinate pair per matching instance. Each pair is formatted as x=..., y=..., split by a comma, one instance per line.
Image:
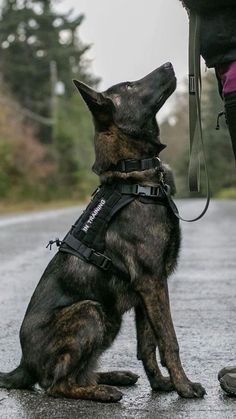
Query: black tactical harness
x=86, y=239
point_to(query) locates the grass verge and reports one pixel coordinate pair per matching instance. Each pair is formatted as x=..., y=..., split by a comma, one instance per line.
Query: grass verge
x=13, y=207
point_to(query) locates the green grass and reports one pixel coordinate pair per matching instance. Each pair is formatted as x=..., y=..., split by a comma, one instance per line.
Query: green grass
x=226, y=193
x=13, y=207
x=8, y=206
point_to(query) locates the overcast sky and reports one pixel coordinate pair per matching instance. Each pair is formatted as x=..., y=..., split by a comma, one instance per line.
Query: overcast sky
x=130, y=38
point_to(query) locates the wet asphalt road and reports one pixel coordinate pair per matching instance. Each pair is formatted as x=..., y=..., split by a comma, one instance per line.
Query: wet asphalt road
x=203, y=299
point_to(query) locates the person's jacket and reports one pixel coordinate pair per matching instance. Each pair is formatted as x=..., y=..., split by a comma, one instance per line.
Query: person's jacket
x=218, y=29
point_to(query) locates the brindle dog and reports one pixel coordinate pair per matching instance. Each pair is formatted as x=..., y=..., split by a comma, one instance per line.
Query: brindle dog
x=76, y=310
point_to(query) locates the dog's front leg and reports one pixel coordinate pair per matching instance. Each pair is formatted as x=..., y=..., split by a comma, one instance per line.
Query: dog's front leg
x=146, y=352
x=156, y=301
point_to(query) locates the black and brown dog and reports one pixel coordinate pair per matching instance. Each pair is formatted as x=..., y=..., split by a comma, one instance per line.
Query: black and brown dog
x=76, y=310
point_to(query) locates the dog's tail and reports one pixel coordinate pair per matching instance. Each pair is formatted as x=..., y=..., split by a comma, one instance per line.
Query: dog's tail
x=18, y=378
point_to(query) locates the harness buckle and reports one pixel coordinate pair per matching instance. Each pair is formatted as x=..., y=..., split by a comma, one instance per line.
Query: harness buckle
x=106, y=264
x=100, y=260
x=141, y=190
x=147, y=190
x=155, y=191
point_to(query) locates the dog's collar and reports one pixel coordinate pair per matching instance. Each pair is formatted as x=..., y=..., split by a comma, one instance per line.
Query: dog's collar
x=133, y=165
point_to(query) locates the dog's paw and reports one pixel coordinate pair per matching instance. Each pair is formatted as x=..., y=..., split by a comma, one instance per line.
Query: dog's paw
x=108, y=394
x=162, y=384
x=117, y=378
x=191, y=390
x=127, y=378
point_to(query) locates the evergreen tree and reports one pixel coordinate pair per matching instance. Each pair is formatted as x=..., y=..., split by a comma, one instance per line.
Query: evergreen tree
x=36, y=42
x=38, y=48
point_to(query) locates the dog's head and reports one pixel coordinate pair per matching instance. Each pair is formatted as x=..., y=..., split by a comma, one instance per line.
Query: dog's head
x=125, y=116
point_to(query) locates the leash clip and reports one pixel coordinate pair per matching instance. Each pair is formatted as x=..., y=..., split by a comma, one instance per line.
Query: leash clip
x=192, y=84
x=218, y=120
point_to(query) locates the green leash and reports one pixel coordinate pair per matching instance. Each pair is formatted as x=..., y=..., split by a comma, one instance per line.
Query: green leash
x=195, y=123
x=197, y=148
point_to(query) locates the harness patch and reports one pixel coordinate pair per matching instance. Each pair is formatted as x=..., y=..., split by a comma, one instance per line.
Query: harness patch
x=94, y=214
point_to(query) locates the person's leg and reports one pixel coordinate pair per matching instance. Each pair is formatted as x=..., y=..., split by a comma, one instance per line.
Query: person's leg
x=226, y=74
x=230, y=110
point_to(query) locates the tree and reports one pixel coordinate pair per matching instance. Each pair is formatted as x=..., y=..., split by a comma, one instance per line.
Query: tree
x=26, y=165
x=33, y=38
x=38, y=48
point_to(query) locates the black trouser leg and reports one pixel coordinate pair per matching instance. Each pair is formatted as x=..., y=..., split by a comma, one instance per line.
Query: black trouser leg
x=230, y=110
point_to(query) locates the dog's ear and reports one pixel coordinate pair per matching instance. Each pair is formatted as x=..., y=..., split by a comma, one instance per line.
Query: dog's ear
x=100, y=106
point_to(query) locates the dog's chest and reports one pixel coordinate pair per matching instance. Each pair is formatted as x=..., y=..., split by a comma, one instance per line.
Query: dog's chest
x=125, y=296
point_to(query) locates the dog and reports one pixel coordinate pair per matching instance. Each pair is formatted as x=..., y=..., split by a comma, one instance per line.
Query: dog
x=76, y=310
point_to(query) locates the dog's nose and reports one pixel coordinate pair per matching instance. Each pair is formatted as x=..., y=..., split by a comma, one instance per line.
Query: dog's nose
x=168, y=65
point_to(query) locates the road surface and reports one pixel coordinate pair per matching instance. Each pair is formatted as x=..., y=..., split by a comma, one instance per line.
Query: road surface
x=203, y=300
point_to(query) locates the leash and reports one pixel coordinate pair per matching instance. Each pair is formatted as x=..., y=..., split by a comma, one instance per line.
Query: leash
x=162, y=191
x=127, y=166
x=195, y=121
x=173, y=207
x=195, y=125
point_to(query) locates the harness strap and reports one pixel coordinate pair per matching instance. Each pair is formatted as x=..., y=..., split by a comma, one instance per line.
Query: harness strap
x=149, y=191
x=132, y=165
x=86, y=239
x=162, y=191
x=90, y=255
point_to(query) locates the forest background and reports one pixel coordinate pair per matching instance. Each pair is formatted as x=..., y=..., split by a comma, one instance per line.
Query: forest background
x=46, y=133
